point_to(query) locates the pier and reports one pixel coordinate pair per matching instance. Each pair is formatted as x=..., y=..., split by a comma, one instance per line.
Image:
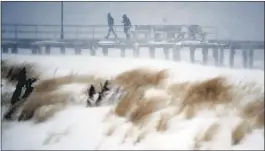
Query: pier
x=171, y=38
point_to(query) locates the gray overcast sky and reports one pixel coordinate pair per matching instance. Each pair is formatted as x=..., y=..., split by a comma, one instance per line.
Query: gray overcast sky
x=235, y=20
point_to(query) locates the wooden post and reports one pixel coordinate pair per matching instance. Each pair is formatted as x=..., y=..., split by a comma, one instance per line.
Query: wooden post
x=251, y=58
x=216, y=55
x=35, y=50
x=77, y=50
x=244, y=58
x=39, y=49
x=176, y=52
x=123, y=51
x=48, y=49
x=105, y=50
x=152, y=51
x=147, y=36
x=5, y=49
x=136, y=51
x=166, y=52
x=192, y=53
x=221, y=60
x=62, y=49
x=14, y=49
x=92, y=51
x=205, y=54
x=231, y=56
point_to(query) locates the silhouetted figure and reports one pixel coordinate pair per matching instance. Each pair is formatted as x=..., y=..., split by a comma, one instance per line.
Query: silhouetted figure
x=127, y=26
x=110, y=24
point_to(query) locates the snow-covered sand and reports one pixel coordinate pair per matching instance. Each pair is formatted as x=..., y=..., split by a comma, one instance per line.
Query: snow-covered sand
x=79, y=127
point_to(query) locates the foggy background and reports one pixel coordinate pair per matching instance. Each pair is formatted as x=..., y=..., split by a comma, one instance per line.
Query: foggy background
x=235, y=20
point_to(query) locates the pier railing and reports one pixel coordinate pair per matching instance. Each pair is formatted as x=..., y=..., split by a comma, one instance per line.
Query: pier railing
x=44, y=32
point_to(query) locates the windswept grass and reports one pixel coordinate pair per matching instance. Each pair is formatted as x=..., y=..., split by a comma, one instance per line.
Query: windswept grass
x=162, y=123
x=213, y=91
x=240, y=131
x=254, y=111
x=140, y=77
x=38, y=100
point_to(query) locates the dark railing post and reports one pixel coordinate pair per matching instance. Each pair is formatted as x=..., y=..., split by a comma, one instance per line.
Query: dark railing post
x=76, y=32
x=36, y=31
x=16, y=31
x=62, y=34
x=93, y=32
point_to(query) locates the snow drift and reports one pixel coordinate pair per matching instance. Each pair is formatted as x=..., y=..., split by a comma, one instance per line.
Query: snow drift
x=162, y=105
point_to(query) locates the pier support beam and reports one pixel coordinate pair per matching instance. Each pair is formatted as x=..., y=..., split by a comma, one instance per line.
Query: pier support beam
x=136, y=51
x=78, y=50
x=245, y=58
x=48, y=49
x=14, y=49
x=62, y=48
x=232, y=56
x=92, y=51
x=205, y=51
x=152, y=51
x=105, y=51
x=35, y=50
x=5, y=49
x=123, y=51
x=192, y=53
x=251, y=57
x=176, y=52
x=166, y=52
x=221, y=59
x=216, y=55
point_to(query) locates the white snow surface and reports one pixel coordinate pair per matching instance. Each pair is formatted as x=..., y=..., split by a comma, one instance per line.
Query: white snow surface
x=78, y=127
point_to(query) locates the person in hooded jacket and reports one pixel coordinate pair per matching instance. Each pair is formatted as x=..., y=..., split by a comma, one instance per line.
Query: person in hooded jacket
x=110, y=24
x=127, y=26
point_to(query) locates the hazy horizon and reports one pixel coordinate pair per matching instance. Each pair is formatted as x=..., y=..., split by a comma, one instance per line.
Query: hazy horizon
x=235, y=20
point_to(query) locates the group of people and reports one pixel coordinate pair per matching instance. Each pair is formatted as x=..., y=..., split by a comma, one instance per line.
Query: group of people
x=126, y=22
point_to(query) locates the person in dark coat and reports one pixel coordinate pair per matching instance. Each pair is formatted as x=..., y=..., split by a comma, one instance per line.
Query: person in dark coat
x=110, y=24
x=127, y=26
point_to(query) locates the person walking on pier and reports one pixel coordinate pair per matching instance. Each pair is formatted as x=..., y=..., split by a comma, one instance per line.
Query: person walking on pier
x=127, y=25
x=110, y=24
